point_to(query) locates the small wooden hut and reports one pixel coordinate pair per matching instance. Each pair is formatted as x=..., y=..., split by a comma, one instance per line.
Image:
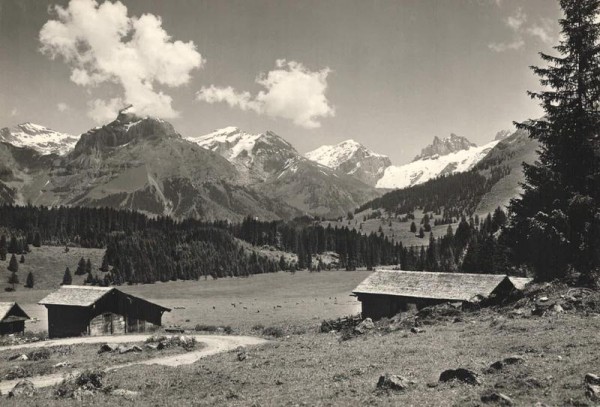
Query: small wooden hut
x=84, y=310
x=12, y=318
x=387, y=292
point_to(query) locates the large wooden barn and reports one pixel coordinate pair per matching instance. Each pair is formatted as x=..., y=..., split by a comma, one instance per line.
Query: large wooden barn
x=12, y=318
x=83, y=310
x=387, y=292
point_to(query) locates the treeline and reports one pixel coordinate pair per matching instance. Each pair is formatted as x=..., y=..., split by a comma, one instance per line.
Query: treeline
x=472, y=248
x=307, y=239
x=451, y=196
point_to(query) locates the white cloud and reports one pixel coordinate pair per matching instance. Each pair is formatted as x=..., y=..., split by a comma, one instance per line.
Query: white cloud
x=516, y=21
x=291, y=92
x=62, y=107
x=506, y=46
x=101, y=44
x=102, y=111
x=543, y=31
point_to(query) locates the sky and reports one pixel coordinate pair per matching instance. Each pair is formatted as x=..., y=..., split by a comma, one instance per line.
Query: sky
x=388, y=74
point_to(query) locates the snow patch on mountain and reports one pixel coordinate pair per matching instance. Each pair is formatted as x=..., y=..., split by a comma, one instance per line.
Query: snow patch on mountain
x=429, y=167
x=40, y=138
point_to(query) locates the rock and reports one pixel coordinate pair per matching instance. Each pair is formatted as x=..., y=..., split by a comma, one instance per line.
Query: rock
x=152, y=346
x=23, y=388
x=107, y=347
x=511, y=360
x=18, y=357
x=393, y=382
x=592, y=391
x=128, y=349
x=416, y=330
x=83, y=393
x=364, y=326
x=126, y=394
x=591, y=378
x=495, y=397
x=17, y=372
x=592, y=386
x=61, y=364
x=241, y=354
x=543, y=299
x=460, y=374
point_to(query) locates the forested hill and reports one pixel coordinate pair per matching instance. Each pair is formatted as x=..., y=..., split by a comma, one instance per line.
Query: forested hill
x=491, y=183
x=144, y=250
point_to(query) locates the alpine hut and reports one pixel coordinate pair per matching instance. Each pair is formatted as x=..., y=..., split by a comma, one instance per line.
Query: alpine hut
x=12, y=318
x=387, y=292
x=85, y=310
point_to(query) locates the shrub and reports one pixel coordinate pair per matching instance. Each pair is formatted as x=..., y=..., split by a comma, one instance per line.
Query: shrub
x=39, y=354
x=258, y=327
x=274, y=331
x=206, y=328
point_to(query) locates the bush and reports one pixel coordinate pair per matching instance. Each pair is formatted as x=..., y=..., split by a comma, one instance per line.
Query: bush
x=274, y=331
x=206, y=328
x=258, y=327
x=39, y=354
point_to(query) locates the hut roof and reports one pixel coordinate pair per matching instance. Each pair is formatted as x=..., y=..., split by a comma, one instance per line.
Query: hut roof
x=424, y=284
x=519, y=282
x=76, y=295
x=12, y=311
x=84, y=296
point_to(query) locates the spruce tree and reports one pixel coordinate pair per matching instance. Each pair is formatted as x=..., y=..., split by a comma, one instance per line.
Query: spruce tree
x=13, y=279
x=29, y=282
x=67, y=278
x=555, y=224
x=22, y=260
x=80, y=267
x=13, y=265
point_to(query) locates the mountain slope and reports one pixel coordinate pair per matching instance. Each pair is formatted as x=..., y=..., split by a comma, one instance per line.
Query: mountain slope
x=256, y=156
x=273, y=167
x=39, y=138
x=491, y=182
x=445, y=146
x=352, y=158
x=142, y=164
x=430, y=167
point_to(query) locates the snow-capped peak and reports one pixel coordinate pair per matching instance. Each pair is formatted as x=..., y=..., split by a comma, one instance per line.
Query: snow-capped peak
x=256, y=156
x=39, y=138
x=447, y=145
x=351, y=158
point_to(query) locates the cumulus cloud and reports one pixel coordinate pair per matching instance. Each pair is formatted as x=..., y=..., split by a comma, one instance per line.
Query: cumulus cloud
x=102, y=111
x=292, y=92
x=102, y=44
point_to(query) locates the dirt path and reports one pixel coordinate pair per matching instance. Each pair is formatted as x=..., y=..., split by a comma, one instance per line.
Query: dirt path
x=213, y=344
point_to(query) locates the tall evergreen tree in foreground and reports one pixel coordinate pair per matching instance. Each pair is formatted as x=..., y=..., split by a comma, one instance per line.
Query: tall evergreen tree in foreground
x=555, y=224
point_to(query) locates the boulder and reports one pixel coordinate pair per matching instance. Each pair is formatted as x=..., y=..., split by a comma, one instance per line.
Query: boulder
x=107, y=347
x=18, y=357
x=460, y=374
x=364, y=326
x=510, y=360
x=393, y=382
x=241, y=354
x=23, y=388
x=592, y=387
x=417, y=330
x=61, y=364
x=128, y=349
x=498, y=398
x=591, y=378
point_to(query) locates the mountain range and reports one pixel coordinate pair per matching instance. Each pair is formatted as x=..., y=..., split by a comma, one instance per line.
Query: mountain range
x=142, y=163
